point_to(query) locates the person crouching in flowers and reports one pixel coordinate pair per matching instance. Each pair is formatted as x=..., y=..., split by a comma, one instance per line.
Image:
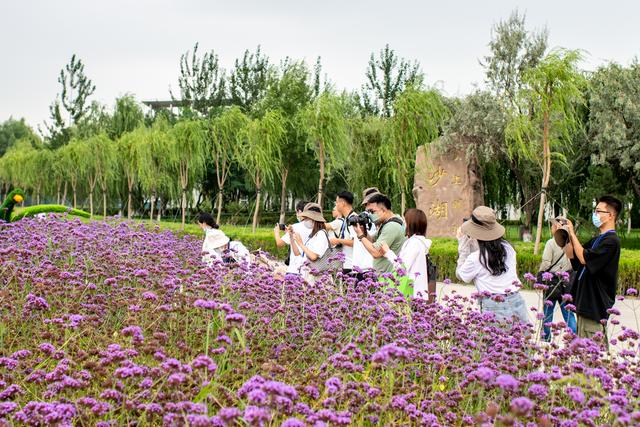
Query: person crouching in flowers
x=413, y=253
x=492, y=268
x=314, y=247
x=215, y=241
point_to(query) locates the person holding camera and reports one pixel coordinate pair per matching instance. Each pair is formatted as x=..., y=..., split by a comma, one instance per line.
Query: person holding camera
x=390, y=231
x=295, y=261
x=413, y=254
x=492, y=268
x=596, y=266
x=555, y=261
x=343, y=230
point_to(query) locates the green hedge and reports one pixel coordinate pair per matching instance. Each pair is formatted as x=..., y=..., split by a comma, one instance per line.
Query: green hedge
x=444, y=253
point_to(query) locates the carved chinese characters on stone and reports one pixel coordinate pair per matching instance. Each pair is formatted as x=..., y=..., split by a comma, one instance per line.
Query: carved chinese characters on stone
x=447, y=187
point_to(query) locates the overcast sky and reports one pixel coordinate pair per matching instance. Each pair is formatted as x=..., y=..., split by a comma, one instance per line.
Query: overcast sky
x=134, y=46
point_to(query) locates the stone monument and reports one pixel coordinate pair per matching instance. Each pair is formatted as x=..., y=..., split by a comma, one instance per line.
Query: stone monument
x=447, y=186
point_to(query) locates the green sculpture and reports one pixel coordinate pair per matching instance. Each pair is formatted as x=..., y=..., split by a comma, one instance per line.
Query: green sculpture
x=17, y=196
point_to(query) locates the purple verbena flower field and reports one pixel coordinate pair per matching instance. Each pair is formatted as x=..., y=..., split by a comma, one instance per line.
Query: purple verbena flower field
x=107, y=323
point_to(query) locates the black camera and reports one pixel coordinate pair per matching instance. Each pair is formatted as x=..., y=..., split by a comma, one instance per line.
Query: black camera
x=282, y=226
x=364, y=219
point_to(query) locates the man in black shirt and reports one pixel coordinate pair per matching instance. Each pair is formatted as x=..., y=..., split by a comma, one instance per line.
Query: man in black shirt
x=596, y=264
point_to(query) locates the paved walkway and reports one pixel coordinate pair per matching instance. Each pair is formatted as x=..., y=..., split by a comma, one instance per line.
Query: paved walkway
x=629, y=308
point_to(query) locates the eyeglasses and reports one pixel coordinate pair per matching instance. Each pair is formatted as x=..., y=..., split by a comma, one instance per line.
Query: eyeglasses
x=597, y=211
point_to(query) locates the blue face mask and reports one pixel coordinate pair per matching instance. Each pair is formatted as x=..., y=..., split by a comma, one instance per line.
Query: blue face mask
x=596, y=220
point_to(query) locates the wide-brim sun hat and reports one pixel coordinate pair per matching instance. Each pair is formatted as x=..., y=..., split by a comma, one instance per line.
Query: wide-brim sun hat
x=313, y=211
x=217, y=238
x=483, y=225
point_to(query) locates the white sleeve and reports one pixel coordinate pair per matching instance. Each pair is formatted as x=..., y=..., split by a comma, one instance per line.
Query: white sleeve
x=318, y=244
x=336, y=225
x=468, y=270
x=286, y=238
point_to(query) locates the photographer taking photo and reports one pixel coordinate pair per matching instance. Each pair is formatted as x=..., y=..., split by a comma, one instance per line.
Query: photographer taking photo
x=295, y=261
x=344, y=235
x=390, y=231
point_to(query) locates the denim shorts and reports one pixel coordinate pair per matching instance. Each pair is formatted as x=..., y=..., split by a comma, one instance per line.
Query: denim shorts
x=512, y=306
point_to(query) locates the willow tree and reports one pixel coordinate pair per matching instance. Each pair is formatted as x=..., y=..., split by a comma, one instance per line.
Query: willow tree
x=37, y=168
x=103, y=165
x=328, y=136
x=154, y=166
x=225, y=131
x=75, y=165
x=127, y=152
x=187, y=155
x=554, y=91
x=418, y=118
x=259, y=152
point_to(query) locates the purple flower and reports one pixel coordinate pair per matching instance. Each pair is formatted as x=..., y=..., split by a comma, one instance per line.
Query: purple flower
x=333, y=385
x=529, y=277
x=507, y=382
x=632, y=292
x=538, y=391
x=521, y=406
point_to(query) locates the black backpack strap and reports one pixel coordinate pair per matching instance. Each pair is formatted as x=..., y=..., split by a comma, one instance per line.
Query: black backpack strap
x=392, y=219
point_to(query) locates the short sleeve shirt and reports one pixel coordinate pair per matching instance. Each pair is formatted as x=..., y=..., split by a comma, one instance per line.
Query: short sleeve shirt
x=594, y=291
x=392, y=234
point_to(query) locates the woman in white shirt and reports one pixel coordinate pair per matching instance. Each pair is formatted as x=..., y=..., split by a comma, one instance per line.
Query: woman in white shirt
x=215, y=241
x=413, y=253
x=491, y=268
x=314, y=247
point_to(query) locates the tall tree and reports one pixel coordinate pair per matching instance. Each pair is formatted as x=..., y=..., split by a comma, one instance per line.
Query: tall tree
x=127, y=116
x=74, y=162
x=225, y=131
x=387, y=75
x=290, y=90
x=259, y=152
x=614, y=120
x=554, y=90
x=187, y=154
x=328, y=135
x=127, y=148
x=70, y=105
x=249, y=80
x=202, y=81
x=514, y=50
x=154, y=166
x=418, y=119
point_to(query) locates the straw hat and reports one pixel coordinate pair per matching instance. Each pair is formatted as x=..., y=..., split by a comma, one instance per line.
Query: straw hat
x=313, y=211
x=483, y=225
x=368, y=193
x=216, y=238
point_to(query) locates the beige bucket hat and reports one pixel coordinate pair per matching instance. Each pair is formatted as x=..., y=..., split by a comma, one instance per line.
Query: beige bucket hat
x=368, y=193
x=483, y=225
x=313, y=211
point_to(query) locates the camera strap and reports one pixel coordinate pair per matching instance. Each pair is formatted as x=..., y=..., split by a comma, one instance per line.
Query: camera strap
x=344, y=224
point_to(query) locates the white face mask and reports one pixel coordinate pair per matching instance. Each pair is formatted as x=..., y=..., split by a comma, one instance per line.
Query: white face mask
x=308, y=223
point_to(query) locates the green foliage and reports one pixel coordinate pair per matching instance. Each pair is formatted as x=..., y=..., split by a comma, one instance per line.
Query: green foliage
x=127, y=116
x=249, y=80
x=12, y=130
x=202, y=82
x=418, y=119
x=70, y=105
x=387, y=77
x=259, y=147
x=6, y=209
x=614, y=120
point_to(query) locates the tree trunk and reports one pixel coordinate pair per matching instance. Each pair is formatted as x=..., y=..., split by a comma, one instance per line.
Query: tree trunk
x=403, y=203
x=255, y=212
x=152, y=205
x=90, y=204
x=321, y=183
x=129, y=198
x=546, y=175
x=104, y=203
x=160, y=206
x=38, y=196
x=184, y=207
x=283, y=195
x=219, y=208
x=58, y=193
x=629, y=218
x=64, y=194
